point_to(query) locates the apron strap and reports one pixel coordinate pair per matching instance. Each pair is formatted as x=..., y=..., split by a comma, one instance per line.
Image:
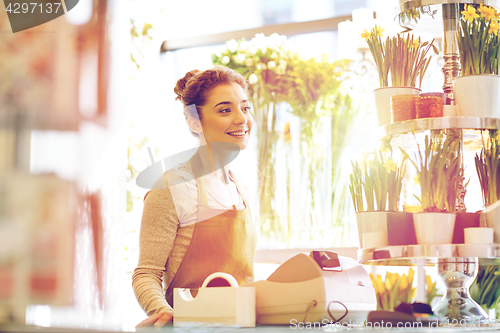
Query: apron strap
x=238, y=188
x=196, y=167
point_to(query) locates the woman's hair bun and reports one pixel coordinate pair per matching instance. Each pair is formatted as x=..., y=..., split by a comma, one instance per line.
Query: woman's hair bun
x=182, y=83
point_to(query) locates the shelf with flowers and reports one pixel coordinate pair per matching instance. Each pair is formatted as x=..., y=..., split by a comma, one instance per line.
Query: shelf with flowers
x=375, y=186
x=477, y=90
x=311, y=90
x=439, y=163
x=401, y=63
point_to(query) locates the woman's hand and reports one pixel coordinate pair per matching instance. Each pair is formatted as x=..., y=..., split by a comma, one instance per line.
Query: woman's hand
x=157, y=320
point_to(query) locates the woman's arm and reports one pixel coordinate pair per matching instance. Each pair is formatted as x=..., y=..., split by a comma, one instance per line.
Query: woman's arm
x=158, y=231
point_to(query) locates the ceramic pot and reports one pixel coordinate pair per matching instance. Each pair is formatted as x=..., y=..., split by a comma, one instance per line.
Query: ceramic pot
x=437, y=94
x=434, y=228
x=369, y=222
x=492, y=213
x=400, y=229
x=464, y=220
x=478, y=95
x=383, y=101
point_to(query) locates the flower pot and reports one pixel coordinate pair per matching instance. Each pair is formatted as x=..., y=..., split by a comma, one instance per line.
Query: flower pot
x=478, y=95
x=464, y=220
x=403, y=108
x=383, y=101
x=374, y=239
x=492, y=213
x=400, y=229
x=436, y=94
x=478, y=235
x=434, y=228
x=369, y=222
x=429, y=107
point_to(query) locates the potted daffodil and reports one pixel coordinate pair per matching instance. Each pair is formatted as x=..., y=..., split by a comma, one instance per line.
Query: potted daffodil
x=488, y=170
x=375, y=186
x=401, y=63
x=438, y=171
x=477, y=90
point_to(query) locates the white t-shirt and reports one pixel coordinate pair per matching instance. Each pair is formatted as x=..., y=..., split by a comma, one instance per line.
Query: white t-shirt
x=185, y=194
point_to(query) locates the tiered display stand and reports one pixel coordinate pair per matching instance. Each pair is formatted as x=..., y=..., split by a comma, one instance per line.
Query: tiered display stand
x=457, y=264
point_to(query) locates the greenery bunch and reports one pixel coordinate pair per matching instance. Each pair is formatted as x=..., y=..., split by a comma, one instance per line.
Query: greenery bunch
x=438, y=171
x=488, y=169
x=402, y=58
x=478, y=41
x=377, y=181
x=485, y=289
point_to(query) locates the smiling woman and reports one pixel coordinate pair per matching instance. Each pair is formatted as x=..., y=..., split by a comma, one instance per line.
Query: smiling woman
x=226, y=117
x=202, y=224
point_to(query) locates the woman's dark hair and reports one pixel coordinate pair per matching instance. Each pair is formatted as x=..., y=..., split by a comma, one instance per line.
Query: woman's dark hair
x=195, y=87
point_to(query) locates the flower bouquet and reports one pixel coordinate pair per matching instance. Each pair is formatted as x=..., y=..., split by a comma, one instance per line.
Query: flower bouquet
x=310, y=88
x=395, y=289
x=477, y=91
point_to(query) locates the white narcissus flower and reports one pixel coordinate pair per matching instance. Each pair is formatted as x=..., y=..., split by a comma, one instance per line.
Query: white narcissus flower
x=232, y=45
x=253, y=79
x=274, y=41
x=243, y=46
x=248, y=62
x=260, y=41
x=271, y=65
x=239, y=58
x=225, y=60
x=254, y=49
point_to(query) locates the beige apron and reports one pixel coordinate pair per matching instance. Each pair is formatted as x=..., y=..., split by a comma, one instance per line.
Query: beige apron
x=222, y=243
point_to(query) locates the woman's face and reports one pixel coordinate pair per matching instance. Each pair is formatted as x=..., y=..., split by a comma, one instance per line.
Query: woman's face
x=226, y=115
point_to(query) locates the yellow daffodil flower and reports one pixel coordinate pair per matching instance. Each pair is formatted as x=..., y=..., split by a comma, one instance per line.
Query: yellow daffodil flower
x=366, y=35
x=390, y=165
x=494, y=27
x=470, y=13
x=487, y=12
x=286, y=132
x=416, y=180
x=377, y=31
